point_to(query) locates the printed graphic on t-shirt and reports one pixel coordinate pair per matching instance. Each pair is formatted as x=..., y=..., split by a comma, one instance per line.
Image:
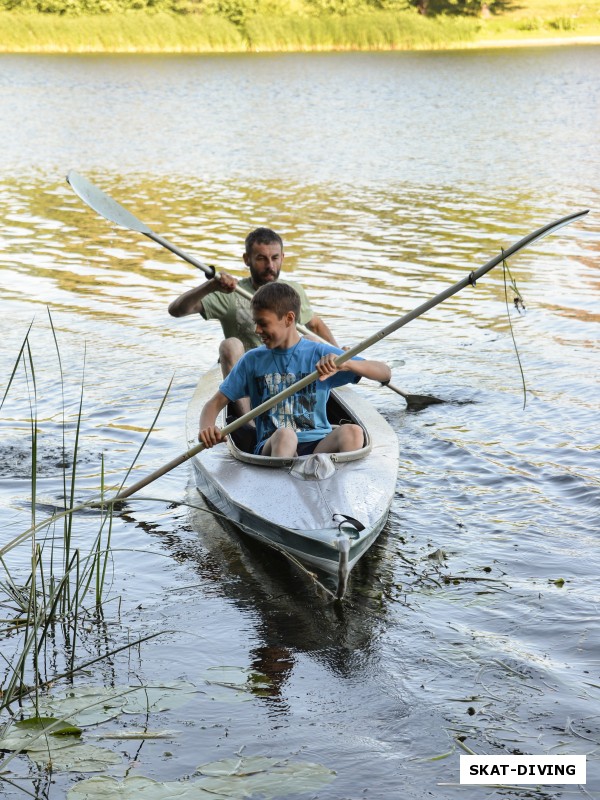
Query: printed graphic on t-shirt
x=296, y=412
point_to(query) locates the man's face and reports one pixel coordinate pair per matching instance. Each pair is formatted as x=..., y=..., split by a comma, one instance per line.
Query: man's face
x=270, y=329
x=265, y=262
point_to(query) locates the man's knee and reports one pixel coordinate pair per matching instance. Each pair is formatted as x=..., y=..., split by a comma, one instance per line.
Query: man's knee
x=230, y=352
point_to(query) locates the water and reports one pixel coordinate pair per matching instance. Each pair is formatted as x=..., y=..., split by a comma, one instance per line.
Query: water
x=390, y=176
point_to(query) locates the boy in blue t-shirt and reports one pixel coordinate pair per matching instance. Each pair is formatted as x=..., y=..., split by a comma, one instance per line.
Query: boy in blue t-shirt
x=297, y=425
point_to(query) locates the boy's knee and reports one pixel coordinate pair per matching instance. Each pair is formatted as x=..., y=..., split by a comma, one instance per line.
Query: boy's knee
x=353, y=436
x=283, y=443
x=286, y=435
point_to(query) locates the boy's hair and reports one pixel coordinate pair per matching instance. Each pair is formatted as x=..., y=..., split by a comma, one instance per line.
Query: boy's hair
x=277, y=297
x=262, y=236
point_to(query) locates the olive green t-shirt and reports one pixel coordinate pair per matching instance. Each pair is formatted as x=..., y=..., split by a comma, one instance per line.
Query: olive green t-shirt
x=234, y=313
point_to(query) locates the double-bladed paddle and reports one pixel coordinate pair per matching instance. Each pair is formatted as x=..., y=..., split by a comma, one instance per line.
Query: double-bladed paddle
x=108, y=208
x=470, y=279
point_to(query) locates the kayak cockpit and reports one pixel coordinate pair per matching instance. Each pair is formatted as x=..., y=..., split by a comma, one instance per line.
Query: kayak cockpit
x=241, y=442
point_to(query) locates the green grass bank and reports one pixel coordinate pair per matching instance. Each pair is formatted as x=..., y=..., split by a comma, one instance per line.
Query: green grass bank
x=262, y=30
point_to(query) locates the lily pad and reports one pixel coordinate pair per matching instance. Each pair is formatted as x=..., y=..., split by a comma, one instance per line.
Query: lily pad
x=60, y=752
x=228, y=779
x=77, y=758
x=158, y=698
x=92, y=705
x=267, y=777
x=57, y=726
x=34, y=740
x=85, y=705
x=239, y=679
x=138, y=787
x=239, y=766
x=136, y=735
x=224, y=694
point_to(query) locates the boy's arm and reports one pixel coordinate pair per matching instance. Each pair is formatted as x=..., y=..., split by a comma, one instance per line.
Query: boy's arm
x=374, y=370
x=210, y=434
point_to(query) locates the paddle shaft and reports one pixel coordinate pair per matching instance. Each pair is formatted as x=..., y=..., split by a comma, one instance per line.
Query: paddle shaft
x=471, y=280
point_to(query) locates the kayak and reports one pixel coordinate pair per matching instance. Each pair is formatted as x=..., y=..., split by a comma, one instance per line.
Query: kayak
x=323, y=509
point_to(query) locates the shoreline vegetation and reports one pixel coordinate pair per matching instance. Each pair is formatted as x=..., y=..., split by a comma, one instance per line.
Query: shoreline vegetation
x=279, y=26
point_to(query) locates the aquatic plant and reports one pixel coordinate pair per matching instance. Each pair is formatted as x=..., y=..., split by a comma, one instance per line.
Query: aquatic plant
x=234, y=778
x=216, y=26
x=519, y=304
x=262, y=30
x=65, y=583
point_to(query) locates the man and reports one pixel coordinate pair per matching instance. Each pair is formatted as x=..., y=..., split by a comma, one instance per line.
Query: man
x=297, y=425
x=217, y=299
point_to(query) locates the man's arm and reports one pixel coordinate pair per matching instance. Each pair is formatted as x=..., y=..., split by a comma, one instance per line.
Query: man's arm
x=316, y=325
x=210, y=434
x=374, y=370
x=190, y=302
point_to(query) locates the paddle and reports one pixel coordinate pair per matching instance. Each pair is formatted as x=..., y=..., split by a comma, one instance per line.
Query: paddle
x=108, y=208
x=471, y=279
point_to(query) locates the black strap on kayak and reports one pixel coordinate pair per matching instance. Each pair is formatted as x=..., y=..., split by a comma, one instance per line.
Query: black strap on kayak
x=347, y=519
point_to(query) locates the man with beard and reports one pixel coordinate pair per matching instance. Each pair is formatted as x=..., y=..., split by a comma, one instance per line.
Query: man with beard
x=217, y=299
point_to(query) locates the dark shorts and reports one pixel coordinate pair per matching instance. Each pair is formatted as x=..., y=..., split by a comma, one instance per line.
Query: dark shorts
x=303, y=449
x=306, y=448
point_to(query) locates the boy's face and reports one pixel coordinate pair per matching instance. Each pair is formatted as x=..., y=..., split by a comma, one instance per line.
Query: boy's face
x=271, y=329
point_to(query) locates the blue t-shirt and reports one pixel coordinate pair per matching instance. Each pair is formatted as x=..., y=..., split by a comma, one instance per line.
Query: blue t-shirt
x=262, y=373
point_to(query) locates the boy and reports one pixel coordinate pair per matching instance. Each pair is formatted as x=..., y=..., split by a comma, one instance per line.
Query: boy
x=297, y=425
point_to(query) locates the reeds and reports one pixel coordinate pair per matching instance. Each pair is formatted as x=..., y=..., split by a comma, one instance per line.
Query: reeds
x=171, y=33
x=117, y=33
x=376, y=30
x=66, y=583
x=279, y=26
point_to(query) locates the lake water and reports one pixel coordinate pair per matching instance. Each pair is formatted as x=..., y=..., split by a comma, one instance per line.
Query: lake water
x=473, y=622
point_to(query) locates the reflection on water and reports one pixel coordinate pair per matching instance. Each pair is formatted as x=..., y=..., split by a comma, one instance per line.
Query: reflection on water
x=473, y=619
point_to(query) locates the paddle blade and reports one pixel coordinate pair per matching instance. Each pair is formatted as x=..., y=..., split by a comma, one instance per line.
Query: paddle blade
x=417, y=402
x=104, y=205
x=541, y=233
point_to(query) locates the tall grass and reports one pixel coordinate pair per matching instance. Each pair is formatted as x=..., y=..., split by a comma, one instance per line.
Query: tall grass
x=66, y=584
x=117, y=33
x=261, y=29
x=377, y=30
x=141, y=32
x=60, y=576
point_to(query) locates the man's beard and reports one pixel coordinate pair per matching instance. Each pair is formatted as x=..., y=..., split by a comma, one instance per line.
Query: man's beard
x=260, y=279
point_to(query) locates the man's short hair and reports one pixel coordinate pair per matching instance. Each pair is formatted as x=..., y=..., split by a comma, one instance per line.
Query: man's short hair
x=262, y=236
x=277, y=297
